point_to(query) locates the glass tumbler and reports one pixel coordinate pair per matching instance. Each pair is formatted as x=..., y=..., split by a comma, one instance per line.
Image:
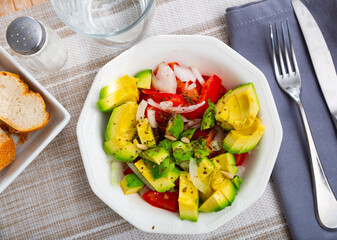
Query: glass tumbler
x=116, y=23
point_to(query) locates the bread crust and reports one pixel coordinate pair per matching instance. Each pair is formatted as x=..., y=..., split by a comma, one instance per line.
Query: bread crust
x=7, y=150
x=26, y=91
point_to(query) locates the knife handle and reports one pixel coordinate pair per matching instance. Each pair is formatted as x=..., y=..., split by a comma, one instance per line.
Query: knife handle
x=325, y=201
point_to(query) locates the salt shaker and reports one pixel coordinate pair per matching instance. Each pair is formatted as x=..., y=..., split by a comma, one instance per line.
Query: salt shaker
x=40, y=47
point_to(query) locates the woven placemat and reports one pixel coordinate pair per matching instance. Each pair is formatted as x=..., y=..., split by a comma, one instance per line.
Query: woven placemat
x=52, y=198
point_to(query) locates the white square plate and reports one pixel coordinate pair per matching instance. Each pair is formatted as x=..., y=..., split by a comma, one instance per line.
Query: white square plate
x=210, y=56
x=38, y=140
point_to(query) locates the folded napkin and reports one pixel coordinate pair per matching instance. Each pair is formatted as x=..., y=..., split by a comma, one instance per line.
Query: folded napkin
x=248, y=27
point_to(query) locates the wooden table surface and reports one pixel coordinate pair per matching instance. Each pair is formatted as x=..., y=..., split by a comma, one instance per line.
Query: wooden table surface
x=8, y=6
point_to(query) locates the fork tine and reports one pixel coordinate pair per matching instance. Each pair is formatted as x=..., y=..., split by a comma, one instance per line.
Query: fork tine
x=292, y=50
x=280, y=52
x=286, y=50
x=276, y=69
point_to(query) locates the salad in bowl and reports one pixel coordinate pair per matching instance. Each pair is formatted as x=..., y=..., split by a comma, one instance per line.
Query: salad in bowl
x=181, y=136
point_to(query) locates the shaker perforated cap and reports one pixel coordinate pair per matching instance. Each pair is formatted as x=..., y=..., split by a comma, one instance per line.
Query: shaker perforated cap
x=25, y=35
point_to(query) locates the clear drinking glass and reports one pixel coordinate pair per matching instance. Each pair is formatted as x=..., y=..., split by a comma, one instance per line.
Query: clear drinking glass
x=117, y=23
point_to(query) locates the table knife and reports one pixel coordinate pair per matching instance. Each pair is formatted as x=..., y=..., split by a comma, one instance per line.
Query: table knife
x=320, y=56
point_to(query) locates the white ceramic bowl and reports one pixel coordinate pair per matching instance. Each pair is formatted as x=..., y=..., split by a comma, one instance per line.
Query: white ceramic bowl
x=211, y=56
x=38, y=140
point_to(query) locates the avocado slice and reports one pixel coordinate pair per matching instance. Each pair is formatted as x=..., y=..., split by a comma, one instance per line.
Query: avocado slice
x=237, y=181
x=155, y=155
x=128, y=153
x=188, y=198
x=145, y=133
x=173, y=174
x=175, y=126
x=200, y=148
x=204, y=168
x=162, y=184
x=117, y=98
x=118, y=84
x=238, y=108
x=244, y=140
x=181, y=151
x=208, y=119
x=204, y=196
x=226, y=162
x=166, y=144
x=144, y=79
x=116, y=143
x=188, y=133
x=131, y=184
x=221, y=198
x=163, y=169
x=122, y=120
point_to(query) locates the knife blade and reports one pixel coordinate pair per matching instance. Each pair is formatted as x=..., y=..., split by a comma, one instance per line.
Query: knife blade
x=320, y=56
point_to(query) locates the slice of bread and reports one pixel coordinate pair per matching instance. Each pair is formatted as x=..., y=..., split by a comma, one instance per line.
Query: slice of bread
x=21, y=108
x=7, y=150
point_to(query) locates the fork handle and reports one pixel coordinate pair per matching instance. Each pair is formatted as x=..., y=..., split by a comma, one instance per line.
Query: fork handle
x=325, y=201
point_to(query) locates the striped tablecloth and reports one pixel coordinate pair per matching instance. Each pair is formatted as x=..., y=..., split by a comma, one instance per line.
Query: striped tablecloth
x=52, y=199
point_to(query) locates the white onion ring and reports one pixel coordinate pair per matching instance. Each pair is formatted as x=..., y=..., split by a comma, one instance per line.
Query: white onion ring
x=165, y=80
x=178, y=109
x=184, y=74
x=194, y=176
x=190, y=87
x=166, y=105
x=151, y=116
x=141, y=110
x=198, y=75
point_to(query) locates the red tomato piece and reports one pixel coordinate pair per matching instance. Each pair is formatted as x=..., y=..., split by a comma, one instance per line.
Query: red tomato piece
x=127, y=171
x=210, y=90
x=166, y=200
x=240, y=158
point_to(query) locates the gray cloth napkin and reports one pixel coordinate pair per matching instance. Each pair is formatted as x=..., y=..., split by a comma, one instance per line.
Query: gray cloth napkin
x=249, y=35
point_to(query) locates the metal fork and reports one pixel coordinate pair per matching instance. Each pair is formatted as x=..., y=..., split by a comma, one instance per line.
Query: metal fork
x=289, y=80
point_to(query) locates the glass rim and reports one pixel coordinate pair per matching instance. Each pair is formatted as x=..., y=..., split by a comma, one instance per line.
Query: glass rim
x=102, y=36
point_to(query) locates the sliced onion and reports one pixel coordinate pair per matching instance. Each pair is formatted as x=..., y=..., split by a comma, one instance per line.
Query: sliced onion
x=138, y=173
x=153, y=103
x=215, y=146
x=194, y=177
x=198, y=75
x=178, y=109
x=141, y=110
x=184, y=74
x=217, y=141
x=190, y=87
x=151, y=116
x=241, y=170
x=165, y=80
x=187, y=109
x=194, y=122
x=185, y=119
x=166, y=105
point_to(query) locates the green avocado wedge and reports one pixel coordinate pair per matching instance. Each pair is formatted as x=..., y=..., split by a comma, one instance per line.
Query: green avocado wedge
x=244, y=140
x=238, y=108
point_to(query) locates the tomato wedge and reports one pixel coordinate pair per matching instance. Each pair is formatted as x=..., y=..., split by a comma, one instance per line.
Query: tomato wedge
x=240, y=158
x=213, y=90
x=166, y=200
